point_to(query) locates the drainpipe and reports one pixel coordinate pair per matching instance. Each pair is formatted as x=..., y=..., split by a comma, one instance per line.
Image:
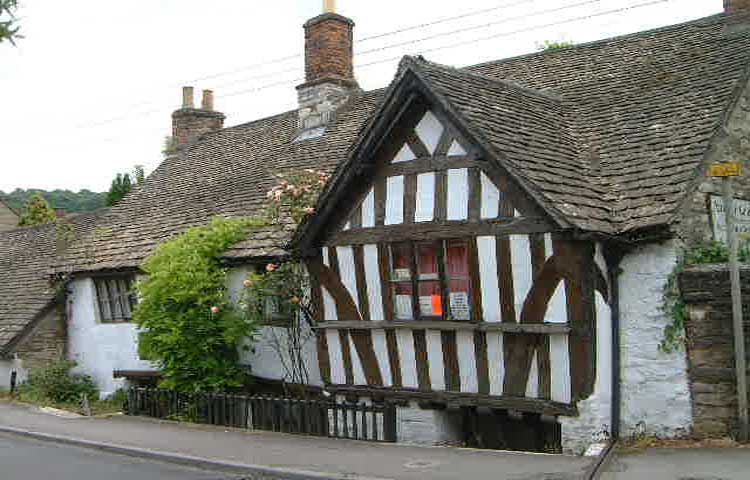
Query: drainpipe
x=614, y=270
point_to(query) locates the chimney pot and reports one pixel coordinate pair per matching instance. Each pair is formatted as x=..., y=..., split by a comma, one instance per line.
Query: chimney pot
x=187, y=97
x=190, y=123
x=208, y=100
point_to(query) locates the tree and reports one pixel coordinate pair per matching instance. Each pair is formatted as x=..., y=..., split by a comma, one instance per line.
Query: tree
x=8, y=21
x=82, y=201
x=554, y=44
x=37, y=211
x=121, y=186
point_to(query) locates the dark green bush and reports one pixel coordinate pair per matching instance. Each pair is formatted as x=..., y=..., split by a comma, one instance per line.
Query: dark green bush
x=56, y=383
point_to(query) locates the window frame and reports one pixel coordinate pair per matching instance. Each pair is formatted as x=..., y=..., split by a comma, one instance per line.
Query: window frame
x=443, y=279
x=124, y=290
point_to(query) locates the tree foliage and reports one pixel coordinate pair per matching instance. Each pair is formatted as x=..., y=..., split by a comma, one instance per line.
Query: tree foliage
x=121, y=186
x=37, y=211
x=8, y=22
x=81, y=201
x=554, y=44
x=124, y=184
x=191, y=329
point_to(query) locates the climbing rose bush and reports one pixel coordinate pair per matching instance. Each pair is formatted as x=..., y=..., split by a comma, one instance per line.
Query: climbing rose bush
x=297, y=192
x=191, y=328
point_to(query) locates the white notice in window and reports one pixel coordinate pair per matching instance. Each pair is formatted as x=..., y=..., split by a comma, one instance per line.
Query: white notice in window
x=401, y=274
x=403, y=307
x=425, y=305
x=459, y=305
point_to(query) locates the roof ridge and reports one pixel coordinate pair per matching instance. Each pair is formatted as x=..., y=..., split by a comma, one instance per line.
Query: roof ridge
x=420, y=60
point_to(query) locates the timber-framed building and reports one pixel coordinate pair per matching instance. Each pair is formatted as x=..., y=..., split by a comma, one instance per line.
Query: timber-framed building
x=490, y=251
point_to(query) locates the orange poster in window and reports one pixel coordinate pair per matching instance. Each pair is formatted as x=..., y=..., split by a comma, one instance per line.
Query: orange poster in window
x=437, y=305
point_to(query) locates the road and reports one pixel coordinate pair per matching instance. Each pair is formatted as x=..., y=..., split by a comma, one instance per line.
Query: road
x=25, y=459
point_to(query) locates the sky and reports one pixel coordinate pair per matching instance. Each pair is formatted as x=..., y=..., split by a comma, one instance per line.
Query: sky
x=90, y=89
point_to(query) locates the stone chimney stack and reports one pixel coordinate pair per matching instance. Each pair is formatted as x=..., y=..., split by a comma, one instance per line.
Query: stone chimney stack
x=329, y=67
x=733, y=7
x=190, y=123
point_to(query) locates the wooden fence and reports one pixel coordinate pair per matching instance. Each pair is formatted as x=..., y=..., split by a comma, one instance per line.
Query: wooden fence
x=357, y=421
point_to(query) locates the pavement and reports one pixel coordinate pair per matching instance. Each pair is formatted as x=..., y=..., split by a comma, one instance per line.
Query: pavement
x=282, y=456
x=20, y=459
x=680, y=464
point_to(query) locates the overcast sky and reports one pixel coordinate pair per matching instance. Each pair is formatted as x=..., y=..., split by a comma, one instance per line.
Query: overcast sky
x=90, y=90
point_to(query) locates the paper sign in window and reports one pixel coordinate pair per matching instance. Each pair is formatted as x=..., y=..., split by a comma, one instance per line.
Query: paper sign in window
x=459, y=304
x=403, y=307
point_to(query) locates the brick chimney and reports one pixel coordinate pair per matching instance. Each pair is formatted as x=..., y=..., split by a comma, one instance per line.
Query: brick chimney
x=733, y=7
x=329, y=67
x=189, y=123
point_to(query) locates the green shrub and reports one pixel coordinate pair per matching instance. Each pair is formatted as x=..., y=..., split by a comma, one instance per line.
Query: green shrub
x=56, y=383
x=190, y=327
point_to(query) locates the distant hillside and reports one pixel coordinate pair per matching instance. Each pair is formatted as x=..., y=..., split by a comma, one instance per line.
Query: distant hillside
x=82, y=201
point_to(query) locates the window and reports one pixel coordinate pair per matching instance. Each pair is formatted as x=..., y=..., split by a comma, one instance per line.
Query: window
x=115, y=298
x=430, y=280
x=277, y=312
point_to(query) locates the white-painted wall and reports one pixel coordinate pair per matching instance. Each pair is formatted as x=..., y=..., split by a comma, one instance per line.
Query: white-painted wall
x=100, y=348
x=654, y=384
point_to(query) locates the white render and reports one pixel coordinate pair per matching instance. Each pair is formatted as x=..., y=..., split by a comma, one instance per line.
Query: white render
x=655, y=394
x=394, y=205
x=429, y=130
x=458, y=194
x=100, y=348
x=425, y=204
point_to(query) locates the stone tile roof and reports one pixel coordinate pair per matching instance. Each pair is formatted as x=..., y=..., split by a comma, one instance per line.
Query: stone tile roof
x=227, y=173
x=645, y=108
x=27, y=256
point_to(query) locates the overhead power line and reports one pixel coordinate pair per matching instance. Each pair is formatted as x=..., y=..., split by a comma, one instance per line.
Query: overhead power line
x=423, y=51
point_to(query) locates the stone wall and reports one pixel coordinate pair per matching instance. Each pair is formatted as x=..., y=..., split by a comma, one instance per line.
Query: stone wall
x=45, y=344
x=732, y=144
x=710, y=346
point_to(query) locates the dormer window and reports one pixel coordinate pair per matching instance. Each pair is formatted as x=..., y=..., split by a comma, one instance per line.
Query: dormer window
x=115, y=298
x=430, y=280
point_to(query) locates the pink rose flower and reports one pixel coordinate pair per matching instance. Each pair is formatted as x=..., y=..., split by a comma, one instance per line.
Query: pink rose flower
x=309, y=210
x=271, y=267
x=215, y=309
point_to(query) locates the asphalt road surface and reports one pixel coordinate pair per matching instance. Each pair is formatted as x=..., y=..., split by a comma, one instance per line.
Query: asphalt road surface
x=26, y=459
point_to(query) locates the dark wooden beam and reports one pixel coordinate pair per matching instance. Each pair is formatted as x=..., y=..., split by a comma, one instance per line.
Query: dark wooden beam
x=530, y=328
x=461, y=399
x=439, y=230
x=427, y=164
